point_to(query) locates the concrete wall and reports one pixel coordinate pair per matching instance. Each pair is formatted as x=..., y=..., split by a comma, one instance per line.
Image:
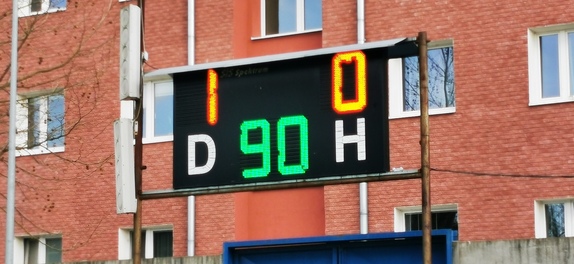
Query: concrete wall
x=184, y=260
x=526, y=251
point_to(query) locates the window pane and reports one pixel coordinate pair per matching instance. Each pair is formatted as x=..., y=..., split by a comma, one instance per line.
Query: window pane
x=36, y=5
x=549, y=64
x=53, y=250
x=142, y=243
x=554, y=220
x=162, y=244
x=58, y=3
x=571, y=59
x=35, y=117
x=287, y=16
x=55, y=121
x=30, y=251
x=271, y=17
x=439, y=220
x=163, y=116
x=441, y=80
x=313, y=14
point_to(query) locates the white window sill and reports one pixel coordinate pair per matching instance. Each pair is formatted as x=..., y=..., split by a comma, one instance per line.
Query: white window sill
x=152, y=140
x=286, y=34
x=38, y=151
x=435, y=111
x=552, y=100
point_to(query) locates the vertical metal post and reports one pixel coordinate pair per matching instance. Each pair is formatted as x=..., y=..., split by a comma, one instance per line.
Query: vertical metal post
x=425, y=147
x=11, y=182
x=138, y=155
x=136, y=247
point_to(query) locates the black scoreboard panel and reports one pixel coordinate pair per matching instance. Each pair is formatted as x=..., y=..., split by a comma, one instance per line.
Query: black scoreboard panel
x=301, y=118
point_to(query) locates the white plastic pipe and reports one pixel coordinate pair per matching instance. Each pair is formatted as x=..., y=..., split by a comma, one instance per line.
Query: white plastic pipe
x=191, y=61
x=360, y=21
x=363, y=195
x=191, y=226
x=363, y=208
x=191, y=32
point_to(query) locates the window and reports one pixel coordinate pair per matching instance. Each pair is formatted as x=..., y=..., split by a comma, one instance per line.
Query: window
x=290, y=16
x=40, y=124
x=554, y=218
x=551, y=64
x=158, y=111
x=404, y=86
x=35, y=7
x=38, y=250
x=410, y=218
x=156, y=243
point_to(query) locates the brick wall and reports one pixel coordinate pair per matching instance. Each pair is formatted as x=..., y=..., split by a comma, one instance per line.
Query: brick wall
x=493, y=130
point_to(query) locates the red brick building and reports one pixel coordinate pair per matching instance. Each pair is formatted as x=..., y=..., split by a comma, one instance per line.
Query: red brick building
x=500, y=129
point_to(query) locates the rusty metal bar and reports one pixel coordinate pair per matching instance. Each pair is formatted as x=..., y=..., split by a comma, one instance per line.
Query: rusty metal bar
x=138, y=155
x=401, y=175
x=425, y=147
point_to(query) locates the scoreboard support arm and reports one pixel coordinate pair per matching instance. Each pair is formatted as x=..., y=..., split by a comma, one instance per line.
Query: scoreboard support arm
x=389, y=176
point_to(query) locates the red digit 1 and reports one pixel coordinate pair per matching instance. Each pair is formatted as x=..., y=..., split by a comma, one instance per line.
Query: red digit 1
x=212, y=98
x=360, y=101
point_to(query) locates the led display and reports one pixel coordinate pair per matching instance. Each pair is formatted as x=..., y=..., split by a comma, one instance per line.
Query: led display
x=302, y=118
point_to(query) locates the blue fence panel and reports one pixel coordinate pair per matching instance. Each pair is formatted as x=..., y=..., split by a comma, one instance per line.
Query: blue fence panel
x=405, y=247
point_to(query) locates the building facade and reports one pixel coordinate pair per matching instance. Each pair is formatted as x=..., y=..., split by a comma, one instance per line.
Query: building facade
x=501, y=90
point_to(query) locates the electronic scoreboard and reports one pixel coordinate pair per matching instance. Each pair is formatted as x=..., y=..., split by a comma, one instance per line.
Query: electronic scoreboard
x=309, y=116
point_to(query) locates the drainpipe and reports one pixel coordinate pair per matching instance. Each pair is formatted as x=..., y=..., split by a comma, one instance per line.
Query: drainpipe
x=191, y=61
x=363, y=208
x=191, y=32
x=360, y=21
x=363, y=197
x=191, y=226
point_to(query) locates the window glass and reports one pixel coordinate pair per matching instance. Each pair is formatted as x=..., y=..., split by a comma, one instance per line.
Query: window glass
x=30, y=251
x=439, y=220
x=35, y=119
x=549, y=61
x=441, y=80
x=46, y=121
x=313, y=14
x=36, y=5
x=163, y=105
x=58, y=3
x=163, y=244
x=554, y=220
x=55, y=121
x=53, y=250
x=287, y=16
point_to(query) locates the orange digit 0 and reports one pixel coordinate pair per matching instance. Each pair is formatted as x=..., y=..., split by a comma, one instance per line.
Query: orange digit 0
x=360, y=101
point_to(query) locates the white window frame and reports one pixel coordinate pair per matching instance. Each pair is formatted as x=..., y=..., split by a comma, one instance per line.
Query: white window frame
x=540, y=216
x=149, y=107
x=19, y=248
x=300, y=22
x=25, y=5
x=22, y=127
x=125, y=244
x=396, y=87
x=400, y=213
x=534, y=64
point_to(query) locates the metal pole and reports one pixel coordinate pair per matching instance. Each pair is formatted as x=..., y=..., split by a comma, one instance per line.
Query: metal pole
x=425, y=147
x=11, y=184
x=138, y=155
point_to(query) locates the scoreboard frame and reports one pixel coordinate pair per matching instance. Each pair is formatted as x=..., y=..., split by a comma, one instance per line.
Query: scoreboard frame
x=247, y=109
